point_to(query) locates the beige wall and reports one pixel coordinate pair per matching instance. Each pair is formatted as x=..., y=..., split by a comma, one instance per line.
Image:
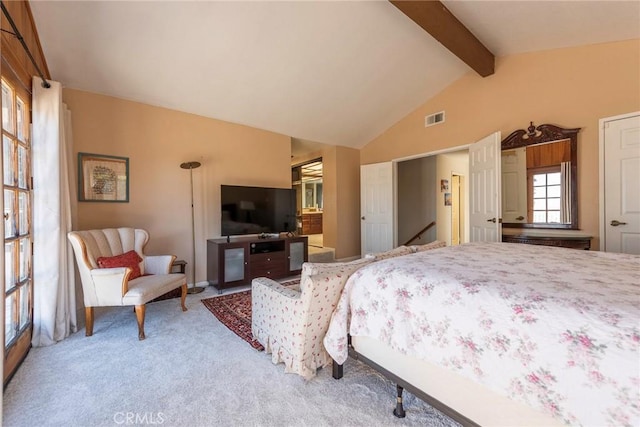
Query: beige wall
x=157, y=141
x=572, y=87
x=347, y=184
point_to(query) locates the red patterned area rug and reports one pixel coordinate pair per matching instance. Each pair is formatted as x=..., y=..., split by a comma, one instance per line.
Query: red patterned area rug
x=234, y=311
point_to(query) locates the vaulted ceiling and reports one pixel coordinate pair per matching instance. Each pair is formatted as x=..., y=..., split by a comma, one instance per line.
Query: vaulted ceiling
x=335, y=72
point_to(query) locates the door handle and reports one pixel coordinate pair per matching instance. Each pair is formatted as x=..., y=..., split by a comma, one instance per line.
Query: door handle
x=616, y=223
x=520, y=218
x=493, y=220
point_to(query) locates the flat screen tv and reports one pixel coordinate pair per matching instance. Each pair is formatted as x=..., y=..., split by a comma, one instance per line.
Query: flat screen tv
x=257, y=210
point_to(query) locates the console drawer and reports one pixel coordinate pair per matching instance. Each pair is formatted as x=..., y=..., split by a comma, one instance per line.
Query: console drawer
x=270, y=265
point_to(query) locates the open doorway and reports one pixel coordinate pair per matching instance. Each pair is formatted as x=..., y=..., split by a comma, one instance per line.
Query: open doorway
x=432, y=189
x=307, y=181
x=457, y=209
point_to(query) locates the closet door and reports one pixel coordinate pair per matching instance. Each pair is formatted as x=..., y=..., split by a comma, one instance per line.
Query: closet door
x=377, y=206
x=16, y=164
x=621, y=158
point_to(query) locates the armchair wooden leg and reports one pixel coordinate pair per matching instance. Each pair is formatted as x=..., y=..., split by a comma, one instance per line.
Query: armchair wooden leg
x=140, y=309
x=183, y=296
x=88, y=313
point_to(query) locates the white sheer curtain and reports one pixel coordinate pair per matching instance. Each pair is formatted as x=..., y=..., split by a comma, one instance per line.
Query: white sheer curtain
x=565, y=195
x=54, y=300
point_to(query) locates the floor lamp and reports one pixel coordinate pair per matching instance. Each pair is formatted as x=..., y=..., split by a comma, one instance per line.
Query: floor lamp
x=191, y=166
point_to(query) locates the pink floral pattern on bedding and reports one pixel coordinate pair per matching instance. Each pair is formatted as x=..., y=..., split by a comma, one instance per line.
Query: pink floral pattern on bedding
x=558, y=329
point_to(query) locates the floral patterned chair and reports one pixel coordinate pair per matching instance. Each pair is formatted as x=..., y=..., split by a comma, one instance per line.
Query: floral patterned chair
x=115, y=271
x=291, y=323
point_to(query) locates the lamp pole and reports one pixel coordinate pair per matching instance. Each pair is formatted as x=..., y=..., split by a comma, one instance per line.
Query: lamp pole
x=194, y=289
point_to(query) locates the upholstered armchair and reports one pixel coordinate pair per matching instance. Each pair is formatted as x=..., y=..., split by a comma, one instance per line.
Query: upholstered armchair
x=291, y=323
x=115, y=271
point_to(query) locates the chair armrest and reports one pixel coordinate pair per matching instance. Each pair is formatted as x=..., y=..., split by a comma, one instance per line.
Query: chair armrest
x=158, y=264
x=110, y=284
x=264, y=284
x=270, y=301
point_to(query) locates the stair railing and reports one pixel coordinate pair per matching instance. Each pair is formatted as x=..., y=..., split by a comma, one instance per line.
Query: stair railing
x=420, y=233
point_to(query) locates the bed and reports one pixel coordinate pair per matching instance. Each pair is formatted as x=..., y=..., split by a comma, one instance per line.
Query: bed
x=501, y=333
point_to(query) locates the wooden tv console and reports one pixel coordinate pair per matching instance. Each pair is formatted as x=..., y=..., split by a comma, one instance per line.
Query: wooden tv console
x=240, y=260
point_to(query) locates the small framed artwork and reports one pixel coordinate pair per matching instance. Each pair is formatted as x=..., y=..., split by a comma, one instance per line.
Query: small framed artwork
x=444, y=185
x=103, y=178
x=447, y=199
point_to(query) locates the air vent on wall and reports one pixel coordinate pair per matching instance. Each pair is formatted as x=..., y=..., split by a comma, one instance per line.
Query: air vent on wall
x=434, y=119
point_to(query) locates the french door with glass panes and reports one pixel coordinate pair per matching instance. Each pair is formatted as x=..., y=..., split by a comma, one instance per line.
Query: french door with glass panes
x=16, y=163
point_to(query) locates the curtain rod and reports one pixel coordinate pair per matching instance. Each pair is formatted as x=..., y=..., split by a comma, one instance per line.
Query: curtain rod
x=16, y=33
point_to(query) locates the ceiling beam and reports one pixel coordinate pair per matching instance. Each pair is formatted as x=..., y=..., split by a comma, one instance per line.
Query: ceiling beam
x=436, y=20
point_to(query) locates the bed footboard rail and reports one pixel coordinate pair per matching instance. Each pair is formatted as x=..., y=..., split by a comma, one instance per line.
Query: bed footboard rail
x=401, y=385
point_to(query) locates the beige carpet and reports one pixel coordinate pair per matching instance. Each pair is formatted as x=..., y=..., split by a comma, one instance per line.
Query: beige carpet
x=317, y=252
x=315, y=240
x=190, y=371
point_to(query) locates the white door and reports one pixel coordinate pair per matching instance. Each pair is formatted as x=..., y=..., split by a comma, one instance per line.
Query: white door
x=456, y=217
x=376, y=204
x=514, y=185
x=484, y=182
x=621, y=152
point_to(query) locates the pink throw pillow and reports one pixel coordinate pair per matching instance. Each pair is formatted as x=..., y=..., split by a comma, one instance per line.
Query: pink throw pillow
x=129, y=259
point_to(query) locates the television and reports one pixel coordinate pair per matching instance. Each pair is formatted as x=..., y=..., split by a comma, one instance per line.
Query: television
x=256, y=210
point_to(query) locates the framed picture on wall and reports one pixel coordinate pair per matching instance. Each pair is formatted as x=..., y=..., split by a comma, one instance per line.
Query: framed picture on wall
x=103, y=178
x=447, y=199
x=444, y=185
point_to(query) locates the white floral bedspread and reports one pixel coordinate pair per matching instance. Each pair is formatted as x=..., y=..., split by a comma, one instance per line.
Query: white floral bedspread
x=556, y=328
